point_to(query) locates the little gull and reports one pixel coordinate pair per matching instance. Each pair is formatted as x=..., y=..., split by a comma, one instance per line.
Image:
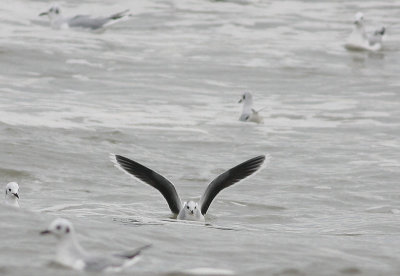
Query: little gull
x=360, y=40
x=189, y=210
x=12, y=196
x=248, y=113
x=71, y=254
x=58, y=21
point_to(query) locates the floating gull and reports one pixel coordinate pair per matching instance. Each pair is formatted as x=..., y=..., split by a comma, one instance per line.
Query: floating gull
x=58, y=21
x=71, y=254
x=12, y=196
x=359, y=40
x=248, y=113
x=188, y=210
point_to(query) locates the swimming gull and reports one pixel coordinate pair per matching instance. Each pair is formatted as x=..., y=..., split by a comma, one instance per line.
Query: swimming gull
x=189, y=210
x=248, y=113
x=360, y=40
x=58, y=21
x=12, y=195
x=71, y=254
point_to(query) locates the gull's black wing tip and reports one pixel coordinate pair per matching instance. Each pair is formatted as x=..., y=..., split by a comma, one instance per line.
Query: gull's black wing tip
x=231, y=177
x=150, y=177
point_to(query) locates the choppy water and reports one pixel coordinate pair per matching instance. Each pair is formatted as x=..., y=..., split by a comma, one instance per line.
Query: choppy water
x=162, y=89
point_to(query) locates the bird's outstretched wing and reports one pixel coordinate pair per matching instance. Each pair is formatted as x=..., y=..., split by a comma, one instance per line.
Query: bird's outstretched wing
x=229, y=178
x=150, y=177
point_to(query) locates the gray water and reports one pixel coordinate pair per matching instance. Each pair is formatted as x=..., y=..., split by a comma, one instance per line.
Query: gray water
x=162, y=89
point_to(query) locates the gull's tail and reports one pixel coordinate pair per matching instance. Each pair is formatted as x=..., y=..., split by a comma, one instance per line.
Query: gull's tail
x=381, y=31
x=132, y=253
x=119, y=15
x=256, y=111
x=116, y=17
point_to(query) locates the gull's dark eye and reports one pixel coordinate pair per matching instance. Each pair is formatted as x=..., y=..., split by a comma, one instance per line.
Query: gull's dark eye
x=58, y=227
x=67, y=230
x=187, y=207
x=57, y=11
x=195, y=207
x=9, y=190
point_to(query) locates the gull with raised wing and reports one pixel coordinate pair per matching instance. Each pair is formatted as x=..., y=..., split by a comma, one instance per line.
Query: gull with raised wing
x=249, y=114
x=360, y=40
x=189, y=210
x=58, y=21
x=71, y=254
x=12, y=196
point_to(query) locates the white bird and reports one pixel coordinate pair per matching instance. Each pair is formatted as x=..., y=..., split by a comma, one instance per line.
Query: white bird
x=12, y=196
x=71, y=254
x=248, y=113
x=58, y=21
x=359, y=39
x=189, y=210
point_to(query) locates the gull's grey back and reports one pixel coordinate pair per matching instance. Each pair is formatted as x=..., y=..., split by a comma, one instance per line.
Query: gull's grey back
x=97, y=263
x=85, y=21
x=117, y=260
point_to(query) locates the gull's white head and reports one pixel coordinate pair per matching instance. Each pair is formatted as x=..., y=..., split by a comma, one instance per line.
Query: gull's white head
x=60, y=228
x=191, y=209
x=53, y=13
x=12, y=195
x=359, y=19
x=246, y=98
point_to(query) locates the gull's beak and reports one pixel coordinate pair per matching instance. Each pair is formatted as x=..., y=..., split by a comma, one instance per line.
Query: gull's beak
x=241, y=100
x=16, y=195
x=192, y=212
x=44, y=13
x=45, y=232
